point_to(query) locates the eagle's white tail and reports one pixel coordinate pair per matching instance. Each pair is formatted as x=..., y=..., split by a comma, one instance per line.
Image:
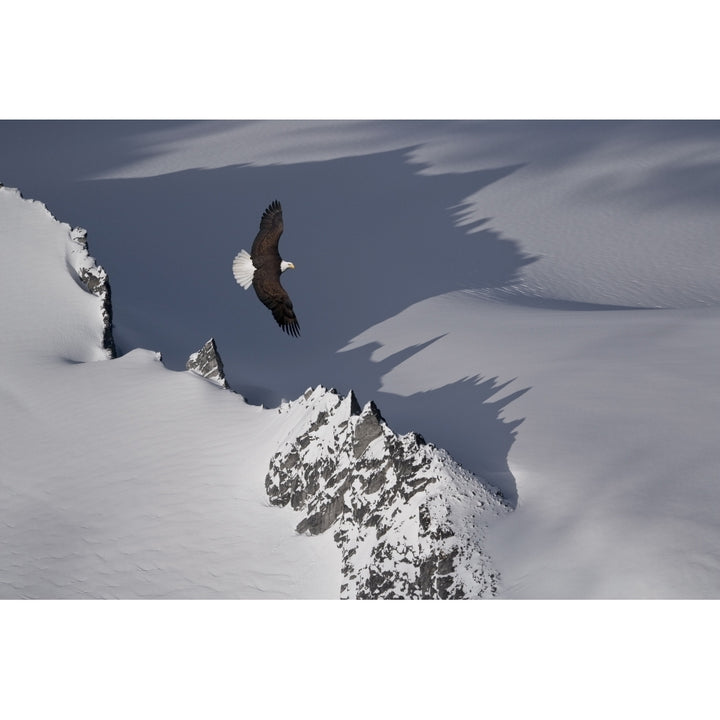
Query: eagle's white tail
x=243, y=269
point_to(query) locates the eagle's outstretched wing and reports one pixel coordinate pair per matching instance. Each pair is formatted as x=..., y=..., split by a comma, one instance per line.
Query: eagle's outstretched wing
x=265, y=246
x=273, y=295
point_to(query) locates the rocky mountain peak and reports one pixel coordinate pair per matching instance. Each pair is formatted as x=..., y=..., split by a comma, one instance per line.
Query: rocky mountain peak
x=207, y=363
x=409, y=521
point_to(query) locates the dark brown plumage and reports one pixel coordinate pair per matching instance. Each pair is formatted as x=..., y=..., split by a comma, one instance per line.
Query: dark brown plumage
x=268, y=266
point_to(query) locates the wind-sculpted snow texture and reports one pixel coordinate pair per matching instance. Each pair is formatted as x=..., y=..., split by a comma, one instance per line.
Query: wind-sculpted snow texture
x=409, y=521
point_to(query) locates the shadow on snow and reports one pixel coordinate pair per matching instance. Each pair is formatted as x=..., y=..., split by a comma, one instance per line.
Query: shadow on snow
x=368, y=236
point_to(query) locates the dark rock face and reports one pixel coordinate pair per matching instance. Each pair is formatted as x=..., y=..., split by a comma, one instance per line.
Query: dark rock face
x=207, y=363
x=94, y=279
x=409, y=521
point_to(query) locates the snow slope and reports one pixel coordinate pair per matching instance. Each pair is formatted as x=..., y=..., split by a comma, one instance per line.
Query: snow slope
x=539, y=298
x=119, y=477
x=615, y=458
x=122, y=479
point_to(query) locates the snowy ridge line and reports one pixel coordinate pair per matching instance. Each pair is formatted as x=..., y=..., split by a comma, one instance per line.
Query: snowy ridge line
x=409, y=521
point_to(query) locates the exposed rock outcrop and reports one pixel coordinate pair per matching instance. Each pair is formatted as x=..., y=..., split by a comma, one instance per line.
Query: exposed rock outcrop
x=93, y=278
x=409, y=521
x=207, y=363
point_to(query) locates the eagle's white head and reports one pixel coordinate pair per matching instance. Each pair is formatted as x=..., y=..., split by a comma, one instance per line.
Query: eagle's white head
x=285, y=265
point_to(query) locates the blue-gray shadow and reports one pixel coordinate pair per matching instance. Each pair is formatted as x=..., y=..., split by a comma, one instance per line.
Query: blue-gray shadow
x=368, y=235
x=460, y=417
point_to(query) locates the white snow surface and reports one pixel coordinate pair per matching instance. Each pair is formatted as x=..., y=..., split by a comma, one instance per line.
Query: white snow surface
x=591, y=381
x=616, y=458
x=45, y=313
x=120, y=478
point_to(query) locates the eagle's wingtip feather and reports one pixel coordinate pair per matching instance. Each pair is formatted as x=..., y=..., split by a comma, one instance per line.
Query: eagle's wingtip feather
x=292, y=329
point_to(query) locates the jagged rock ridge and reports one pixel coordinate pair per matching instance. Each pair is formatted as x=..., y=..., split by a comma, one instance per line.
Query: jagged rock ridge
x=207, y=363
x=93, y=278
x=409, y=521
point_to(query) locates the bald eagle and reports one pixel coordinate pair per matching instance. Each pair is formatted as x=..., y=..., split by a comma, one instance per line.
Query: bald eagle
x=262, y=268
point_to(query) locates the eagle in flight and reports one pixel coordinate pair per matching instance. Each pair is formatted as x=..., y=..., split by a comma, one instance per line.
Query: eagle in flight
x=262, y=268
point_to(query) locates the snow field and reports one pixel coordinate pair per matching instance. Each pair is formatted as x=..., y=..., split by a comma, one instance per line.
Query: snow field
x=121, y=479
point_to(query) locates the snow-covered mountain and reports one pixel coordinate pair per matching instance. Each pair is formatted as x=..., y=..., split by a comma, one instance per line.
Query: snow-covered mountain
x=409, y=521
x=124, y=479
x=540, y=299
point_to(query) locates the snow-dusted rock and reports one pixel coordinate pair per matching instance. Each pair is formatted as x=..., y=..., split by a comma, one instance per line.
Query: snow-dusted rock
x=207, y=363
x=409, y=521
x=93, y=278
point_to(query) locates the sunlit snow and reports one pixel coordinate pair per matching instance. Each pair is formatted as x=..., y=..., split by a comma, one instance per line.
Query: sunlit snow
x=540, y=299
